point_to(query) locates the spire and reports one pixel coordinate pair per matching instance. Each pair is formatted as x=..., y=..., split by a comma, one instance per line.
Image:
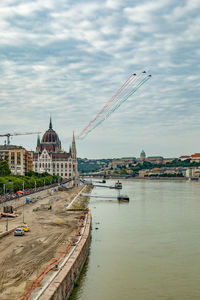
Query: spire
x=50, y=124
x=73, y=147
x=38, y=139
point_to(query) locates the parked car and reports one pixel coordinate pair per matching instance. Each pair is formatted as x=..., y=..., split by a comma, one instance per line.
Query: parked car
x=25, y=227
x=19, y=231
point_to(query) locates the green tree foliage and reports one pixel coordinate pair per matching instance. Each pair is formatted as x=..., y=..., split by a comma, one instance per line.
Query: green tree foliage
x=4, y=168
x=123, y=172
x=13, y=183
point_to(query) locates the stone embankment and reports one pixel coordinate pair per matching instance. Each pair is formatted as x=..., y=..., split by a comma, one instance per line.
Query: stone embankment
x=61, y=287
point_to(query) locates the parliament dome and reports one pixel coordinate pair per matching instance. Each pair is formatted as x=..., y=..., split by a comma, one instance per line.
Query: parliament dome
x=50, y=136
x=50, y=141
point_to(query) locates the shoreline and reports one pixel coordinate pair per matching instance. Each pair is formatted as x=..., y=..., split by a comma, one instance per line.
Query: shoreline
x=140, y=178
x=160, y=178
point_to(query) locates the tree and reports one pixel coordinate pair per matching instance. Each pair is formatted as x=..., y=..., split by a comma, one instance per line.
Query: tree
x=123, y=172
x=4, y=168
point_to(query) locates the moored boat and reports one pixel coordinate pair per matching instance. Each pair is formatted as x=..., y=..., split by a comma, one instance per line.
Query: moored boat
x=118, y=185
x=123, y=198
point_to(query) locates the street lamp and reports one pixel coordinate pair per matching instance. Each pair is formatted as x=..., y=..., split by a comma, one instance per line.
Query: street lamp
x=23, y=213
x=6, y=218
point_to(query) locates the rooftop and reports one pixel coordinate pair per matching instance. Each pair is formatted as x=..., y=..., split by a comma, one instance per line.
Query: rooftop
x=10, y=147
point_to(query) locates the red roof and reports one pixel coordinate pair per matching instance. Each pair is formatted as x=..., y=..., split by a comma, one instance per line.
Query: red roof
x=184, y=156
x=196, y=155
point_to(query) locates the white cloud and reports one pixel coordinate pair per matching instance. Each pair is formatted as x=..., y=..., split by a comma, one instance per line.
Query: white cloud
x=70, y=58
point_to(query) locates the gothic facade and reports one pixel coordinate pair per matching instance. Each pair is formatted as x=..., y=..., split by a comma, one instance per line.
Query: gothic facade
x=49, y=156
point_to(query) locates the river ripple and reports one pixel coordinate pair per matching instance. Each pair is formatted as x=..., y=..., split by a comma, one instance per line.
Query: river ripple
x=146, y=249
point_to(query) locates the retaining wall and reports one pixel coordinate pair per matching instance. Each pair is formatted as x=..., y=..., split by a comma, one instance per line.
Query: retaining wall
x=7, y=232
x=62, y=285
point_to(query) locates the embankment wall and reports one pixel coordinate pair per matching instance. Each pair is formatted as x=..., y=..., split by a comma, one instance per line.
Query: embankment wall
x=62, y=285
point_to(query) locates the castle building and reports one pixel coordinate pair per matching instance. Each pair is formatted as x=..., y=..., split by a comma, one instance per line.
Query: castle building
x=142, y=156
x=49, y=156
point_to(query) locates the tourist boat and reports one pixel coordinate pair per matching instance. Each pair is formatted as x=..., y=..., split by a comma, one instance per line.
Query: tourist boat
x=124, y=198
x=118, y=185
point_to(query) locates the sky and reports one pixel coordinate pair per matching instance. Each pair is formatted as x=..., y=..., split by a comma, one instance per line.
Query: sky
x=68, y=58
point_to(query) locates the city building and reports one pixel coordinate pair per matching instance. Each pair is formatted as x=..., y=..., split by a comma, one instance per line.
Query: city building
x=193, y=172
x=163, y=172
x=184, y=157
x=20, y=160
x=115, y=163
x=155, y=159
x=49, y=156
x=195, y=157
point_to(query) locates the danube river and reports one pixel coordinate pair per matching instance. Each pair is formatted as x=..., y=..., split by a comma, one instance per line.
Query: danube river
x=146, y=249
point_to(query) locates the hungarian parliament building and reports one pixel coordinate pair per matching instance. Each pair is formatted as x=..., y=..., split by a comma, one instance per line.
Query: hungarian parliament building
x=49, y=156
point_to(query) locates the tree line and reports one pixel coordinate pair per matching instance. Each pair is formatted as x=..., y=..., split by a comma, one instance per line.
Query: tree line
x=12, y=183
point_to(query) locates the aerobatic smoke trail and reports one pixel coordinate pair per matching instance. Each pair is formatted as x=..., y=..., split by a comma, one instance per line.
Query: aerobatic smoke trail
x=120, y=93
x=118, y=104
x=131, y=85
x=130, y=79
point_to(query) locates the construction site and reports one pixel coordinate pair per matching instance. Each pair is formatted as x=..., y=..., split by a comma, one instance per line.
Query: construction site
x=54, y=217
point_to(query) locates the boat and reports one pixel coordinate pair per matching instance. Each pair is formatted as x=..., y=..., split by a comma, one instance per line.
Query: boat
x=118, y=185
x=124, y=198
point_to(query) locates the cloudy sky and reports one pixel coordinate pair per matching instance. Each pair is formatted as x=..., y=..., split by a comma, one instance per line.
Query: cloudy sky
x=68, y=58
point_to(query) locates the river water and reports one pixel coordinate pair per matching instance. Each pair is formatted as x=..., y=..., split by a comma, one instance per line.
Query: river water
x=146, y=249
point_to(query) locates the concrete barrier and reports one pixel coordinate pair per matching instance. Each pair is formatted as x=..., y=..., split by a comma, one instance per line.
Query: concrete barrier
x=7, y=232
x=62, y=285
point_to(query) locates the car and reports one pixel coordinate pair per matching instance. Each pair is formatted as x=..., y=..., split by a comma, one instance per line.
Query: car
x=19, y=231
x=25, y=227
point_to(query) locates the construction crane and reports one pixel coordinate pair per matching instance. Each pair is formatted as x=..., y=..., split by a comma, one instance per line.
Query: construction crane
x=8, y=135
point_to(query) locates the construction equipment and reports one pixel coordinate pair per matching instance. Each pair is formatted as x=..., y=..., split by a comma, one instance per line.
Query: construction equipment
x=8, y=135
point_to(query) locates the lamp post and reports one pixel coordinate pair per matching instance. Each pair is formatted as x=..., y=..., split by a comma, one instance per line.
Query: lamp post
x=35, y=185
x=23, y=213
x=6, y=218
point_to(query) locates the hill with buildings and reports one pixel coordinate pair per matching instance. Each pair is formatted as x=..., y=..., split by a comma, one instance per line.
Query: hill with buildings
x=152, y=166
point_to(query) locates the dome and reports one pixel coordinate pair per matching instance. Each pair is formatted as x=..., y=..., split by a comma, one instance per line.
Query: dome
x=50, y=141
x=143, y=153
x=50, y=136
